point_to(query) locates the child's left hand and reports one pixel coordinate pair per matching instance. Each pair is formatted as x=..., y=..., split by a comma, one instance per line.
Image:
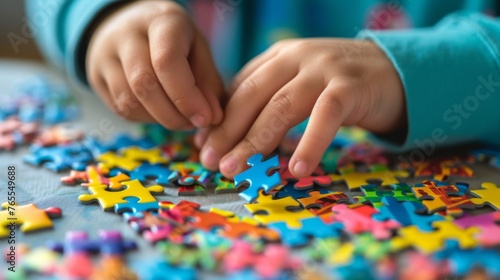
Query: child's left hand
x=335, y=82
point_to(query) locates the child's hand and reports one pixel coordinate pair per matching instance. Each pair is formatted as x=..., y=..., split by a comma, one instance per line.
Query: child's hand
x=149, y=63
x=336, y=82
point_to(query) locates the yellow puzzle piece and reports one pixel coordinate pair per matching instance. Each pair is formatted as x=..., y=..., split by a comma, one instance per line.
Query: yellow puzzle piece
x=29, y=216
x=153, y=155
x=433, y=241
x=233, y=218
x=107, y=199
x=268, y=210
x=354, y=180
x=488, y=195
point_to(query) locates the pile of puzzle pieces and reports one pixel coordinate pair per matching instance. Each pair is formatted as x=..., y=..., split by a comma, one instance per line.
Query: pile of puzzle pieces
x=355, y=217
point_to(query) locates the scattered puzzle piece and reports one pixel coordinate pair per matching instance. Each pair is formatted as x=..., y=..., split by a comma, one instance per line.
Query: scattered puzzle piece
x=108, y=199
x=373, y=194
x=109, y=243
x=289, y=191
x=268, y=210
x=487, y=223
x=30, y=217
x=430, y=242
x=133, y=205
x=488, y=195
x=95, y=175
x=60, y=157
x=320, y=204
x=354, y=180
x=160, y=173
x=59, y=134
x=360, y=220
x=440, y=169
x=318, y=177
x=309, y=228
x=437, y=198
x=160, y=269
x=405, y=213
x=257, y=176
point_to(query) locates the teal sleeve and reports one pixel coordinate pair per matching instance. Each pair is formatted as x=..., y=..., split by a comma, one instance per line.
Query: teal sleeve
x=451, y=79
x=60, y=26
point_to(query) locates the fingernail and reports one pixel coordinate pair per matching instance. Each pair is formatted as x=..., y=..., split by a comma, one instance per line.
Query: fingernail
x=198, y=120
x=209, y=157
x=229, y=164
x=300, y=168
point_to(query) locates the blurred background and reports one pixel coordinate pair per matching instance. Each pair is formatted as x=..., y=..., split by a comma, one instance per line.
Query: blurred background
x=12, y=19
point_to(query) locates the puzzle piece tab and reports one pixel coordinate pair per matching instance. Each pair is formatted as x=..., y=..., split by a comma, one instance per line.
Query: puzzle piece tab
x=317, y=178
x=30, y=217
x=108, y=199
x=95, y=175
x=257, y=176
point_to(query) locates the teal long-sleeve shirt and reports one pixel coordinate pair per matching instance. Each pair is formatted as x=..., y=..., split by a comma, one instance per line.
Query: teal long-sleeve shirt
x=447, y=52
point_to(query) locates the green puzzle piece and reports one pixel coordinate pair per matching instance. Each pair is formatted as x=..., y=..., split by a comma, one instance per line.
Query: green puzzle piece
x=373, y=195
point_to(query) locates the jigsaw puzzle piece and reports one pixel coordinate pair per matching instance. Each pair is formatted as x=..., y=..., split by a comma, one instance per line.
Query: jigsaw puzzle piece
x=358, y=220
x=317, y=178
x=354, y=180
x=310, y=228
x=441, y=168
x=109, y=243
x=320, y=204
x=363, y=153
x=487, y=223
x=95, y=175
x=133, y=205
x=443, y=197
x=161, y=270
x=406, y=213
x=57, y=158
x=463, y=262
x=489, y=195
x=29, y=217
x=268, y=210
x=59, y=134
x=160, y=173
x=433, y=241
x=151, y=155
x=258, y=176
x=108, y=199
x=289, y=191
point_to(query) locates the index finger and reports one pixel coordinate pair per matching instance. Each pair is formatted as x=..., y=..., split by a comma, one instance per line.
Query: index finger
x=170, y=45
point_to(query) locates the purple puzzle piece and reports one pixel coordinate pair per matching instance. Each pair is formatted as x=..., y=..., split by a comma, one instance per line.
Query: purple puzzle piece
x=490, y=230
x=109, y=243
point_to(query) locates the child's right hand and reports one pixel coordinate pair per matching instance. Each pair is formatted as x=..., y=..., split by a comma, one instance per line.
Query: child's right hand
x=148, y=62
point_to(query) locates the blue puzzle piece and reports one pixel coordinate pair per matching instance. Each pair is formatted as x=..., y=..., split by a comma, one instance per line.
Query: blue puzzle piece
x=162, y=174
x=257, y=176
x=311, y=227
x=406, y=213
x=161, y=270
x=290, y=190
x=134, y=206
x=358, y=269
x=464, y=261
x=75, y=156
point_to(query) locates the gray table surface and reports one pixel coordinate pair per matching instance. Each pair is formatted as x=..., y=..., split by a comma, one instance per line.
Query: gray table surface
x=43, y=187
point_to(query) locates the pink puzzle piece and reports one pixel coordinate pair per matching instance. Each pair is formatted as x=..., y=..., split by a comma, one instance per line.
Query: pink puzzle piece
x=318, y=177
x=490, y=230
x=360, y=220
